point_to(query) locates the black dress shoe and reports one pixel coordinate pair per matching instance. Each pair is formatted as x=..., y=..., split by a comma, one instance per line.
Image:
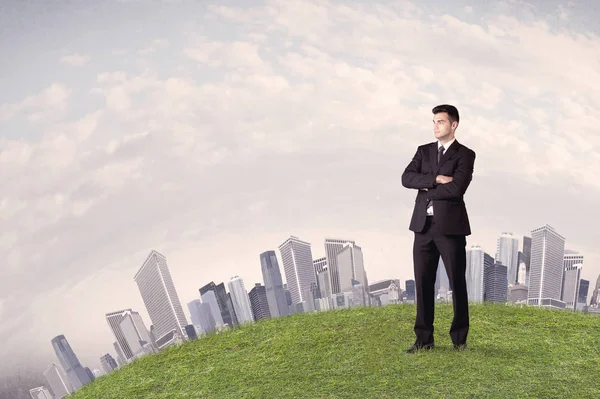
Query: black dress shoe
x=460, y=347
x=417, y=346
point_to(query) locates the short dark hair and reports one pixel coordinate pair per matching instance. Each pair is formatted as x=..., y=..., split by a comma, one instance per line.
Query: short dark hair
x=449, y=109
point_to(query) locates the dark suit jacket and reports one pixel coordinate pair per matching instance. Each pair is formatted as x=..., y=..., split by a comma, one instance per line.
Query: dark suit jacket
x=449, y=209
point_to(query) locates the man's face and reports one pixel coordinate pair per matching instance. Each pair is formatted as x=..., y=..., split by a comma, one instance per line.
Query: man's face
x=442, y=127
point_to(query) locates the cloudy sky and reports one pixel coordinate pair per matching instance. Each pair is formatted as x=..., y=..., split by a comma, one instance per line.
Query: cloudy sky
x=213, y=132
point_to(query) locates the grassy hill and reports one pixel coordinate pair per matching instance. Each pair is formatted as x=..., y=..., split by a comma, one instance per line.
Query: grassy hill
x=359, y=353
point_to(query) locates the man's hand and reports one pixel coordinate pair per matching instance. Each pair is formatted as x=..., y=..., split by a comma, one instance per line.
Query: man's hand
x=441, y=179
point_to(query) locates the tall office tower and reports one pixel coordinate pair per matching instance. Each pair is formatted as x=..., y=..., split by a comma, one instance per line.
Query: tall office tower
x=114, y=320
x=40, y=393
x=69, y=362
x=547, y=266
x=202, y=315
x=322, y=272
x=135, y=333
x=259, y=302
x=526, y=250
x=240, y=299
x=595, y=299
x=507, y=253
x=572, y=258
x=232, y=312
x=442, y=282
x=221, y=296
x=160, y=296
x=297, y=259
x=332, y=247
x=584, y=286
x=477, y=259
x=495, y=283
x=570, y=286
x=58, y=381
x=108, y=363
x=210, y=299
x=273, y=284
x=522, y=270
x=351, y=267
x=120, y=355
x=409, y=287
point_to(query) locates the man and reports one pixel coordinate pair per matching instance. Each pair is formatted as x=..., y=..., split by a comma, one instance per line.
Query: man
x=441, y=172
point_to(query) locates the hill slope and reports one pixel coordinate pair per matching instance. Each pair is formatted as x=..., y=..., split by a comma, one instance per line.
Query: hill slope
x=359, y=353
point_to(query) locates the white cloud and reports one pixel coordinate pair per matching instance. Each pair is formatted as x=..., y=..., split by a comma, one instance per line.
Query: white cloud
x=76, y=60
x=47, y=104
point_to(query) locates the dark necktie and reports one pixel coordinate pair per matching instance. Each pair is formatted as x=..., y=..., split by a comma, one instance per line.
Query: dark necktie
x=439, y=156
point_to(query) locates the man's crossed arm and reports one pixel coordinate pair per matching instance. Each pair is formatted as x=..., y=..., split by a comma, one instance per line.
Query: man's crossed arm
x=440, y=187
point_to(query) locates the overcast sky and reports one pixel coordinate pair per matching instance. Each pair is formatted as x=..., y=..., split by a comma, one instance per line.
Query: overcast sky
x=211, y=133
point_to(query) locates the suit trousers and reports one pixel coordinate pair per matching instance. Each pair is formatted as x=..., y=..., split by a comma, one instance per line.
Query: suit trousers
x=429, y=245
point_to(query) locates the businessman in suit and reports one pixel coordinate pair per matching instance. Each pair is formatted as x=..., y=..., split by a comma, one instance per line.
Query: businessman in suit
x=441, y=171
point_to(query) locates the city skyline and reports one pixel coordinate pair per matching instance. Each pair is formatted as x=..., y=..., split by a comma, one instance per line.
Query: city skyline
x=236, y=286
x=210, y=133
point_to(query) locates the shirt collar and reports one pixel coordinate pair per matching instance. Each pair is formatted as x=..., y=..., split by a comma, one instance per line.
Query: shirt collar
x=448, y=144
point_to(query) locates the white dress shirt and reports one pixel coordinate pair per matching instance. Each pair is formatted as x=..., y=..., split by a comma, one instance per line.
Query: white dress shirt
x=446, y=146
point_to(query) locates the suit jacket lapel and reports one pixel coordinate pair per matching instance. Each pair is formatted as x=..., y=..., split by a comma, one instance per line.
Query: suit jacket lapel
x=433, y=148
x=447, y=155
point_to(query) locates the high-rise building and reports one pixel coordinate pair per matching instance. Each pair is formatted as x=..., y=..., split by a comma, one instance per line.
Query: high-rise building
x=547, y=266
x=477, y=259
x=259, y=302
x=570, y=286
x=202, y=315
x=507, y=253
x=409, y=288
x=297, y=259
x=323, y=279
x=220, y=294
x=160, y=296
x=332, y=247
x=209, y=298
x=584, y=286
x=40, y=393
x=69, y=362
x=595, y=299
x=240, y=299
x=58, y=381
x=135, y=328
x=273, y=284
x=108, y=363
x=495, y=283
x=351, y=267
x=526, y=250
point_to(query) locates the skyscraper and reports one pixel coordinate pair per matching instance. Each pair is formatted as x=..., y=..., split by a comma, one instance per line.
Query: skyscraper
x=40, y=393
x=477, y=259
x=220, y=294
x=323, y=279
x=570, y=285
x=202, y=315
x=240, y=299
x=58, y=381
x=547, y=266
x=259, y=302
x=495, y=283
x=69, y=362
x=297, y=259
x=108, y=363
x=273, y=284
x=350, y=266
x=526, y=250
x=332, y=247
x=507, y=253
x=160, y=296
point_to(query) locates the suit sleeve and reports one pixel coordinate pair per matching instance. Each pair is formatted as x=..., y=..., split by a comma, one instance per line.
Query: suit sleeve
x=412, y=176
x=461, y=178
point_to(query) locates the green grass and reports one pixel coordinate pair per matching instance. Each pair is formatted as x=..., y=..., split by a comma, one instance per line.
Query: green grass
x=514, y=352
